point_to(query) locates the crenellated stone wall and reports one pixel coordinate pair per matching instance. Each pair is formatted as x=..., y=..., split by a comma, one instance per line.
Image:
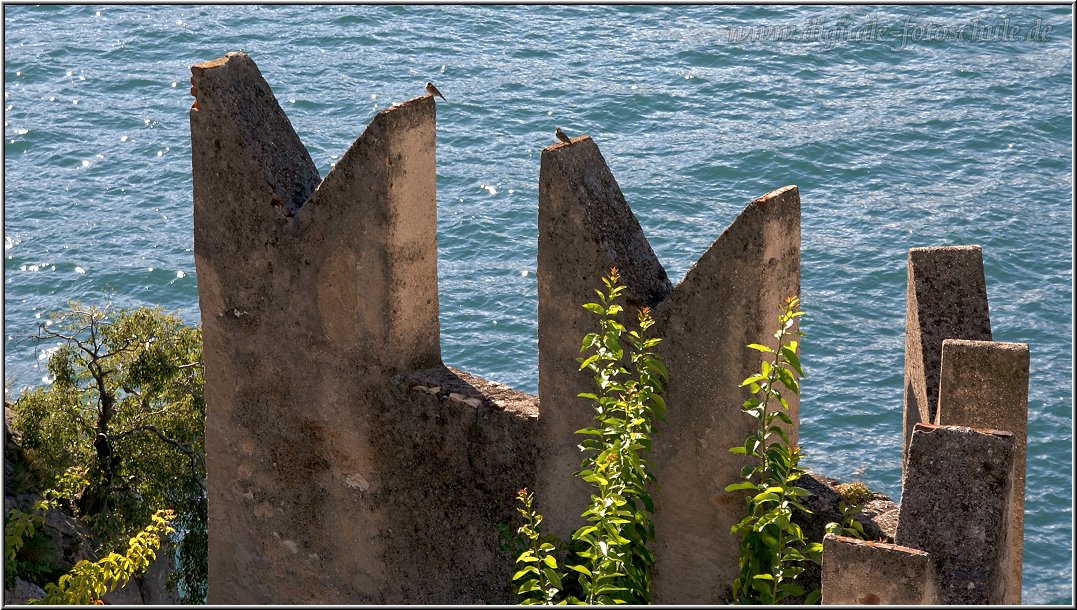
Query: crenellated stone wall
x=348, y=464
x=336, y=470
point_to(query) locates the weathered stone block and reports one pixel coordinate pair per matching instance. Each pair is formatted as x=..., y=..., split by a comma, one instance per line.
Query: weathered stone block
x=946, y=298
x=984, y=384
x=863, y=572
x=729, y=298
x=954, y=505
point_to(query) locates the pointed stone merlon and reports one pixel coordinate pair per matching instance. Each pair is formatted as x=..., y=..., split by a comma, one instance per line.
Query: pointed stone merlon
x=946, y=298
x=955, y=505
x=262, y=219
x=860, y=572
x=731, y=297
x=585, y=228
x=313, y=294
x=984, y=384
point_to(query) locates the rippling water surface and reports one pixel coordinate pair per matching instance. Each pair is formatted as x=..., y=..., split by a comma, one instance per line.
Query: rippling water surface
x=896, y=140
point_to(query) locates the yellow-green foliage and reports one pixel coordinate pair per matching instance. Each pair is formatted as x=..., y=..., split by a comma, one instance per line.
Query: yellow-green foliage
x=607, y=561
x=17, y=528
x=88, y=581
x=20, y=526
x=855, y=492
x=853, y=495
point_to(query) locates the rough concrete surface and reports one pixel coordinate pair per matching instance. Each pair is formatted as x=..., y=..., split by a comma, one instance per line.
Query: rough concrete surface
x=954, y=505
x=984, y=384
x=878, y=515
x=946, y=298
x=862, y=572
x=729, y=298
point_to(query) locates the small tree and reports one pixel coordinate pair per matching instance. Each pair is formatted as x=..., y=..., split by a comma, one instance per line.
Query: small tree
x=126, y=405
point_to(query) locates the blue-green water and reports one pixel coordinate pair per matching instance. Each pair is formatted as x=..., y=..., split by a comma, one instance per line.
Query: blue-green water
x=903, y=126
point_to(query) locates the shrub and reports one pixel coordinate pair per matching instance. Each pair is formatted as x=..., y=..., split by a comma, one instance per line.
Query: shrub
x=126, y=406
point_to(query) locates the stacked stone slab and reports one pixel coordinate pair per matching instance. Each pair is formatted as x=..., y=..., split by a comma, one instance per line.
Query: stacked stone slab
x=984, y=384
x=346, y=463
x=955, y=375
x=729, y=298
x=955, y=504
x=864, y=572
x=946, y=298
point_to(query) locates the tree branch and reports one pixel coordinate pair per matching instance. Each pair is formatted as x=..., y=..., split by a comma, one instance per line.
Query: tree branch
x=192, y=455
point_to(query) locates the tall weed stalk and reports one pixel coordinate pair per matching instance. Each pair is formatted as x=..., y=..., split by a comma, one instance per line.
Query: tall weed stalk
x=772, y=547
x=608, y=558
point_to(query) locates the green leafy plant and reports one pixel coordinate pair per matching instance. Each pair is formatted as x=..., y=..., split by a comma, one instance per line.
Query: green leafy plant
x=772, y=546
x=607, y=560
x=848, y=526
x=88, y=582
x=21, y=527
x=537, y=581
x=853, y=495
x=126, y=405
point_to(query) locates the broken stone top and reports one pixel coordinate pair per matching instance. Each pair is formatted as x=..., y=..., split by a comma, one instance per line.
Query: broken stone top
x=932, y=427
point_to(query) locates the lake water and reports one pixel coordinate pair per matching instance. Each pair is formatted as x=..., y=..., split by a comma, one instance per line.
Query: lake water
x=903, y=126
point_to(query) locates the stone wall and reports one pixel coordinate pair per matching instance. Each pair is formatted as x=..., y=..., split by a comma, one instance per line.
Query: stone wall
x=729, y=298
x=348, y=464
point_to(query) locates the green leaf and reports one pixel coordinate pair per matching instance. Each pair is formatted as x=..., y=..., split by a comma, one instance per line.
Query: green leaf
x=792, y=358
x=588, y=361
x=753, y=379
x=550, y=561
x=524, y=572
x=596, y=479
x=595, y=308
x=581, y=569
x=529, y=586
x=740, y=486
x=659, y=405
x=788, y=380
